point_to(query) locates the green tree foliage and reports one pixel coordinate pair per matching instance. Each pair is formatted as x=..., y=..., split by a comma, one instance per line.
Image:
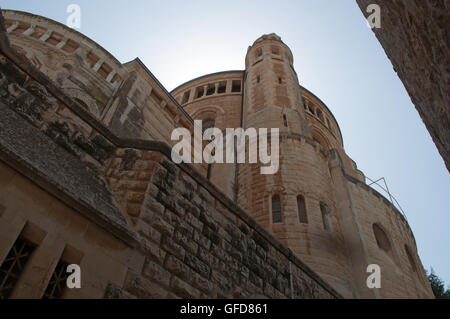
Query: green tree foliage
x=438, y=286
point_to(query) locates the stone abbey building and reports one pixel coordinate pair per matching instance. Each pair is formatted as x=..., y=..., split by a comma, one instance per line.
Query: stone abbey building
x=86, y=178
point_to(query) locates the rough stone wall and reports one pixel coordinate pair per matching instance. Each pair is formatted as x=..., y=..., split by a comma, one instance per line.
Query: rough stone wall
x=415, y=37
x=195, y=246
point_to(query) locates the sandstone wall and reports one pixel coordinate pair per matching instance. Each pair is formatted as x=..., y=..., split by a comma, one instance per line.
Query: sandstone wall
x=414, y=35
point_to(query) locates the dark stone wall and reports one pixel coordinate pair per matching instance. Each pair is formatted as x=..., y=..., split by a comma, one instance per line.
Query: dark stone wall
x=415, y=37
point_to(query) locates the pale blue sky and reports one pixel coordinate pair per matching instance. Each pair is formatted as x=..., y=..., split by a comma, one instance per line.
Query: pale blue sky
x=336, y=56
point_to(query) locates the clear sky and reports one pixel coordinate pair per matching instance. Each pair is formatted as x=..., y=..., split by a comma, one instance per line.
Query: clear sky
x=336, y=56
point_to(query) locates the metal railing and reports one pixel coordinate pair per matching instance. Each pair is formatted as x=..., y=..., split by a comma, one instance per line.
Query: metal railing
x=385, y=189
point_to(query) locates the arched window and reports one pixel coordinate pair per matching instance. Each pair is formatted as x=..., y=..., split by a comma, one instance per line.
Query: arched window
x=276, y=209
x=208, y=123
x=325, y=216
x=410, y=258
x=302, y=216
x=381, y=238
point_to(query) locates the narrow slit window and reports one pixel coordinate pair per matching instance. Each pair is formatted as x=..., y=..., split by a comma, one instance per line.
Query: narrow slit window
x=325, y=216
x=285, y=120
x=58, y=282
x=276, y=209
x=13, y=266
x=302, y=215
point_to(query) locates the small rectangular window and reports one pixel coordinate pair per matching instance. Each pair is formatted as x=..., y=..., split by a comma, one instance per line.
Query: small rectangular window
x=302, y=216
x=211, y=89
x=236, y=86
x=13, y=266
x=276, y=209
x=200, y=92
x=222, y=87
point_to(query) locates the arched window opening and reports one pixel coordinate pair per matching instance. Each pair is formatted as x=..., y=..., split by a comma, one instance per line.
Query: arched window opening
x=381, y=238
x=410, y=258
x=302, y=216
x=276, y=209
x=325, y=216
x=208, y=123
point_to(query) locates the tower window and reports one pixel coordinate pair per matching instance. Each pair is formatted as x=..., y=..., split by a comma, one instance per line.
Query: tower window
x=276, y=209
x=280, y=81
x=208, y=123
x=258, y=79
x=57, y=284
x=222, y=87
x=302, y=216
x=13, y=266
x=285, y=120
x=381, y=238
x=186, y=96
x=211, y=89
x=325, y=216
x=200, y=92
x=236, y=86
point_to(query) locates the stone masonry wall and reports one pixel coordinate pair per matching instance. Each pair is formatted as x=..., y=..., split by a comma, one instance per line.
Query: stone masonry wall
x=195, y=245
x=415, y=36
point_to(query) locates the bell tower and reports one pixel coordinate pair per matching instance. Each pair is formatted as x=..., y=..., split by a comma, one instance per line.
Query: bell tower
x=271, y=97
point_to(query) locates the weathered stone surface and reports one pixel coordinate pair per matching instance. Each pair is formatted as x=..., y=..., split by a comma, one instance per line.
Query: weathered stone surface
x=415, y=36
